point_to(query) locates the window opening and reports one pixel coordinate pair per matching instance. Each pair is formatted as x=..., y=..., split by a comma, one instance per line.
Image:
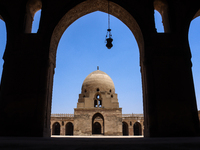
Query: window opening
x=95, y=103
x=100, y=103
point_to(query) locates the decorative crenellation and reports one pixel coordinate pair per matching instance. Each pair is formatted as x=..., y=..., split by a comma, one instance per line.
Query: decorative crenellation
x=62, y=115
x=133, y=115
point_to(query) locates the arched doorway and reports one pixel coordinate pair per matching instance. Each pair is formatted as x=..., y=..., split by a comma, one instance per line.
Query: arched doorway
x=69, y=128
x=137, y=129
x=96, y=129
x=98, y=124
x=125, y=128
x=56, y=129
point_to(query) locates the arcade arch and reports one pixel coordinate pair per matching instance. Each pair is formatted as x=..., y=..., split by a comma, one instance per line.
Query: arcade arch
x=36, y=21
x=137, y=128
x=31, y=8
x=56, y=128
x=89, y=7
x=98, y=124
x=69, y=128
x=3, y=39
x=162, y=7
x=193, y=38
x=125, y=128
x=158, y=22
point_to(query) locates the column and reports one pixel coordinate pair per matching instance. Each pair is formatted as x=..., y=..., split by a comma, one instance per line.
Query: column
x=170, y=105
x=23, y=98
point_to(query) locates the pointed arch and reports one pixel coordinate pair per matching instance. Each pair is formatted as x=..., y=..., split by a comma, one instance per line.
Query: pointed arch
x=89, y=7
x=97, y=124
x=32, y=7
x=137, y=128
x=69, y=129
x=162, y=7
x=56, y=128
x=3, y=42
x=197, y=14
x=193, y=38
x=36, y=21
x=158, y=22
x=125, y=128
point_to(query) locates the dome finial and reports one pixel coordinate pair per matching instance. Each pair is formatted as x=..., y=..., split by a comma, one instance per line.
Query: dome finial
x=97, y=67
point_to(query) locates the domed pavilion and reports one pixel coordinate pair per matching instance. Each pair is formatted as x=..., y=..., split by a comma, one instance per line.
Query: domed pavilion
x=97, y=112
x=98, y=109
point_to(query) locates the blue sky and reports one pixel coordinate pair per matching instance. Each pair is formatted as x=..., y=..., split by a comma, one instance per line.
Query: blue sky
x=82, y=48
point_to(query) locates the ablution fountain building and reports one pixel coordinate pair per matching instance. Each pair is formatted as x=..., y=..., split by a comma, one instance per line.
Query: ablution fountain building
x=97, y=112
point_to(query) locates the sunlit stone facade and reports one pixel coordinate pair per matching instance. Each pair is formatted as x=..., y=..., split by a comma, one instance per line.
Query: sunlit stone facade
x=97, y=112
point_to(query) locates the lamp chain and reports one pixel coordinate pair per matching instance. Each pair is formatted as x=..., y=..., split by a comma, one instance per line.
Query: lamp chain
x=108, y=16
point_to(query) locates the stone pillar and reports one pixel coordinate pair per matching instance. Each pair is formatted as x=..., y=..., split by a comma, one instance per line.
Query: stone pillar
x=130, y=129
x=142, y=127
x=23, y=106
x=62, y=130
x=170, y=108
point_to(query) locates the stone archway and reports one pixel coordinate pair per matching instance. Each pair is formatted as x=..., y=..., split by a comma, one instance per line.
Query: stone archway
x=56, y=129
x=137, y=129
x=162, y=7
x=98, y=124
x=69, y=129
x=96, y=128
x=79, y=11
x=125, y=128
x=31, y=8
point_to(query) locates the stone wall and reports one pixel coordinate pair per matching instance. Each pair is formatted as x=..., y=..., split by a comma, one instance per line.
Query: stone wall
x=83, y=123
x=112, y=121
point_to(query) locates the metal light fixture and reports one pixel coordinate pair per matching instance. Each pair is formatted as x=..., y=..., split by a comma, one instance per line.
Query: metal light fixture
x=109, y=39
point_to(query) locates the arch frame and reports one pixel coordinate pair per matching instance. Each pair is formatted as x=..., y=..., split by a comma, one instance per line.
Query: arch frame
x=139, y=128
x=81, y=9
x=102, y=125
x=87, y=7
x=32, y=7
x=162, y=7
x=54, y=132
x=125, y=126
x=71, y=126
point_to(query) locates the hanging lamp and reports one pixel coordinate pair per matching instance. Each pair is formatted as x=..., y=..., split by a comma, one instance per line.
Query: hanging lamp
x=109, y=39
